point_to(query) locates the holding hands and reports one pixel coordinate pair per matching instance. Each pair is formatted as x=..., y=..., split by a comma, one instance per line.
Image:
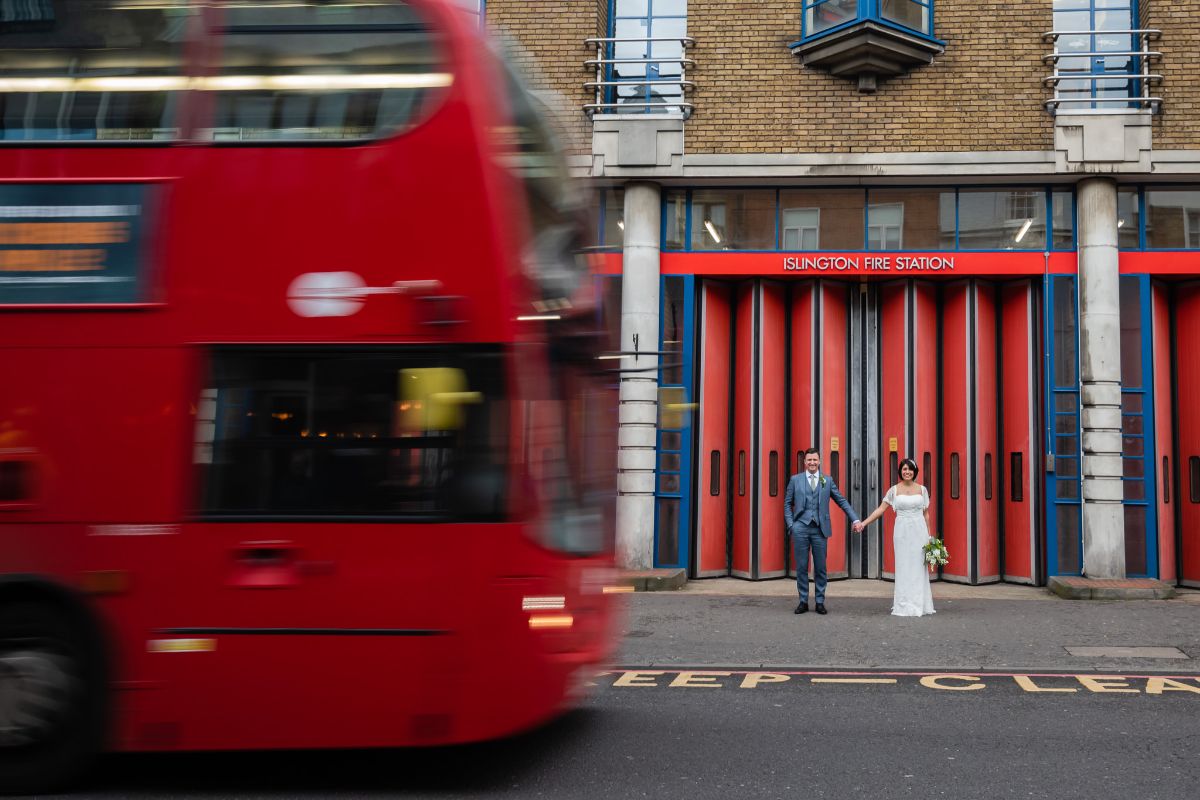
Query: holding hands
x=859, y=526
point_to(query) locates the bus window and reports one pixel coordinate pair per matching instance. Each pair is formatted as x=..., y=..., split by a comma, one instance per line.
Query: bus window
x=331, y=70
x=98, y=72
x=334, y=433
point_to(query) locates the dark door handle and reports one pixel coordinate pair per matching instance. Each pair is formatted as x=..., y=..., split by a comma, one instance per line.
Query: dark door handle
x=264, y=565
x=856, y=474
x=871, y=474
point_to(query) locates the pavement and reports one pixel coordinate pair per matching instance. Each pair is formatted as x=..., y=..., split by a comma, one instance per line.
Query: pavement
x=999, y=627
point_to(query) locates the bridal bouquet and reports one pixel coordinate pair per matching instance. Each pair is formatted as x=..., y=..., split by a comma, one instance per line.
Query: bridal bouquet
x=936, y=554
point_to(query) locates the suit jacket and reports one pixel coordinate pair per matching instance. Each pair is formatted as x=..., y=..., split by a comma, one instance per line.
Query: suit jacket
x=798, y=491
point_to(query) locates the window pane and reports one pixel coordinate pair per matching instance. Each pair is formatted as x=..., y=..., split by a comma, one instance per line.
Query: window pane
x=1067, y=537
x=1066, y=467
x=1131, y=402
x=1067, y=445
x=1066, y=402
x=1064, y=331
x=631, y=8
x=92, y=40
x=733, y=220
x=1135, y=540
x=910, y=219
x=1064, y=220
x=907, y=13
x=672, y=330
x=1067, y=489
x=1131, y=332
x=668, y=482
x=1016, y=479
x=838, y=218
x=668, y=531
x=669, y=462
x=1173, y=218
x=825, y=14
x=1134, y=467
x=1006, y=220
x=356, y=433
x=1127, y=220
x=264, y=39
x=1065, y=423
x=614, y=218
x=676, y=220
x=671, y=441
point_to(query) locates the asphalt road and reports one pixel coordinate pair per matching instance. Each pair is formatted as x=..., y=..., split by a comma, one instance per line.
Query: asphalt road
x=734, y=696
x=782, y=738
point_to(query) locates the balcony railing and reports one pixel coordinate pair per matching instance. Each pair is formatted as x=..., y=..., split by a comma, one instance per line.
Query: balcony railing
x=1106, y=72
x=640, y=84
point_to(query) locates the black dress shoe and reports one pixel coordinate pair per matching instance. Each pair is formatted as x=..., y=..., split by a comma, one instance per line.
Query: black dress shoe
x=801, y=609
x=821, y=608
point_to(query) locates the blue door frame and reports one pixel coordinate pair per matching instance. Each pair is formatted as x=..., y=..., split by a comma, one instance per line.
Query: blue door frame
x=1064, y=486
x=673, y=489
x=1064, y=528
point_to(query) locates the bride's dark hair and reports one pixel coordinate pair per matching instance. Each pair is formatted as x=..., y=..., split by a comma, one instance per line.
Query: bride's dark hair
x=908, y=462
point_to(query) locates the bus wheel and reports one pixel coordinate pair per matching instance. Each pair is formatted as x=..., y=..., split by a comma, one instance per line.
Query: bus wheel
x=51, y=699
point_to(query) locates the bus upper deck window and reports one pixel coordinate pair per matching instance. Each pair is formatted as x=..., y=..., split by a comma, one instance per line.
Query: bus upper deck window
x=94, y=70
x=329, y=70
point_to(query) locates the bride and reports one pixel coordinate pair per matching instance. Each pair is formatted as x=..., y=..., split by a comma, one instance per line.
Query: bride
x=910, y=501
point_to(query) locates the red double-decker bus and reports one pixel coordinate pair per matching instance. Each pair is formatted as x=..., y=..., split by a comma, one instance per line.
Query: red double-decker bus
x=301, y=444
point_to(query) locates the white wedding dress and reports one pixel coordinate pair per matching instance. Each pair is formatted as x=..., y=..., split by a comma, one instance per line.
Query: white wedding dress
x=913, y=597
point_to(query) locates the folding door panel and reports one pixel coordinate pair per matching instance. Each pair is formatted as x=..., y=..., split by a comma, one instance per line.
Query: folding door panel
x=713, y=484
x=745, y=401
x=1018, y=355
x=986, y=435
x=924, y=392
x=895, y=334
x=1187, y=425
x=831, y=394
x=1160, y=320
x=771, y=423
x=801, y=387
x=957, y=424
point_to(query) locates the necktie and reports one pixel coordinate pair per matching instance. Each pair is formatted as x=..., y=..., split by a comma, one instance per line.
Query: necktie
x=812, y=481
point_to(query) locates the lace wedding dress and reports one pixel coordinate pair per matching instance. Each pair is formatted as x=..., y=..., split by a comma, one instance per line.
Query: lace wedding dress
x=913, y=597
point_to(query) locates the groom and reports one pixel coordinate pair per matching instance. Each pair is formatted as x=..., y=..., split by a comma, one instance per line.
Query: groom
x=806, y=514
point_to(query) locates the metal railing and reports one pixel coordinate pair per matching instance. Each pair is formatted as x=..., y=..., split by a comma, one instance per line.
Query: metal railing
x=607, y=80
x=1090, y=93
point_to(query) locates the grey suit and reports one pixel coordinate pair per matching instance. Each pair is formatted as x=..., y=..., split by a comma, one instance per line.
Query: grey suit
x=806, y=514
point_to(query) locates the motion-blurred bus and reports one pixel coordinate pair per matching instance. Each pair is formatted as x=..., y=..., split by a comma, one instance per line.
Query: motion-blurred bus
x=302, y=442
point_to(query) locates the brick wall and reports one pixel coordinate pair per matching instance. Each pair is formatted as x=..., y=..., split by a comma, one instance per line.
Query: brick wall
x=984, y=93
x=1179, y=125
x=548, y=38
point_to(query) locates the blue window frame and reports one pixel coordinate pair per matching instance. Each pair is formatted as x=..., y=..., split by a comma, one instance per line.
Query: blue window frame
x=1106, y=67
x=648, y=72
x=824, y=16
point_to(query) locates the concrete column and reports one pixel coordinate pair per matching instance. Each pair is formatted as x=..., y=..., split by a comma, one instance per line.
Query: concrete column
x=636, y=441
x=1100, y=380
